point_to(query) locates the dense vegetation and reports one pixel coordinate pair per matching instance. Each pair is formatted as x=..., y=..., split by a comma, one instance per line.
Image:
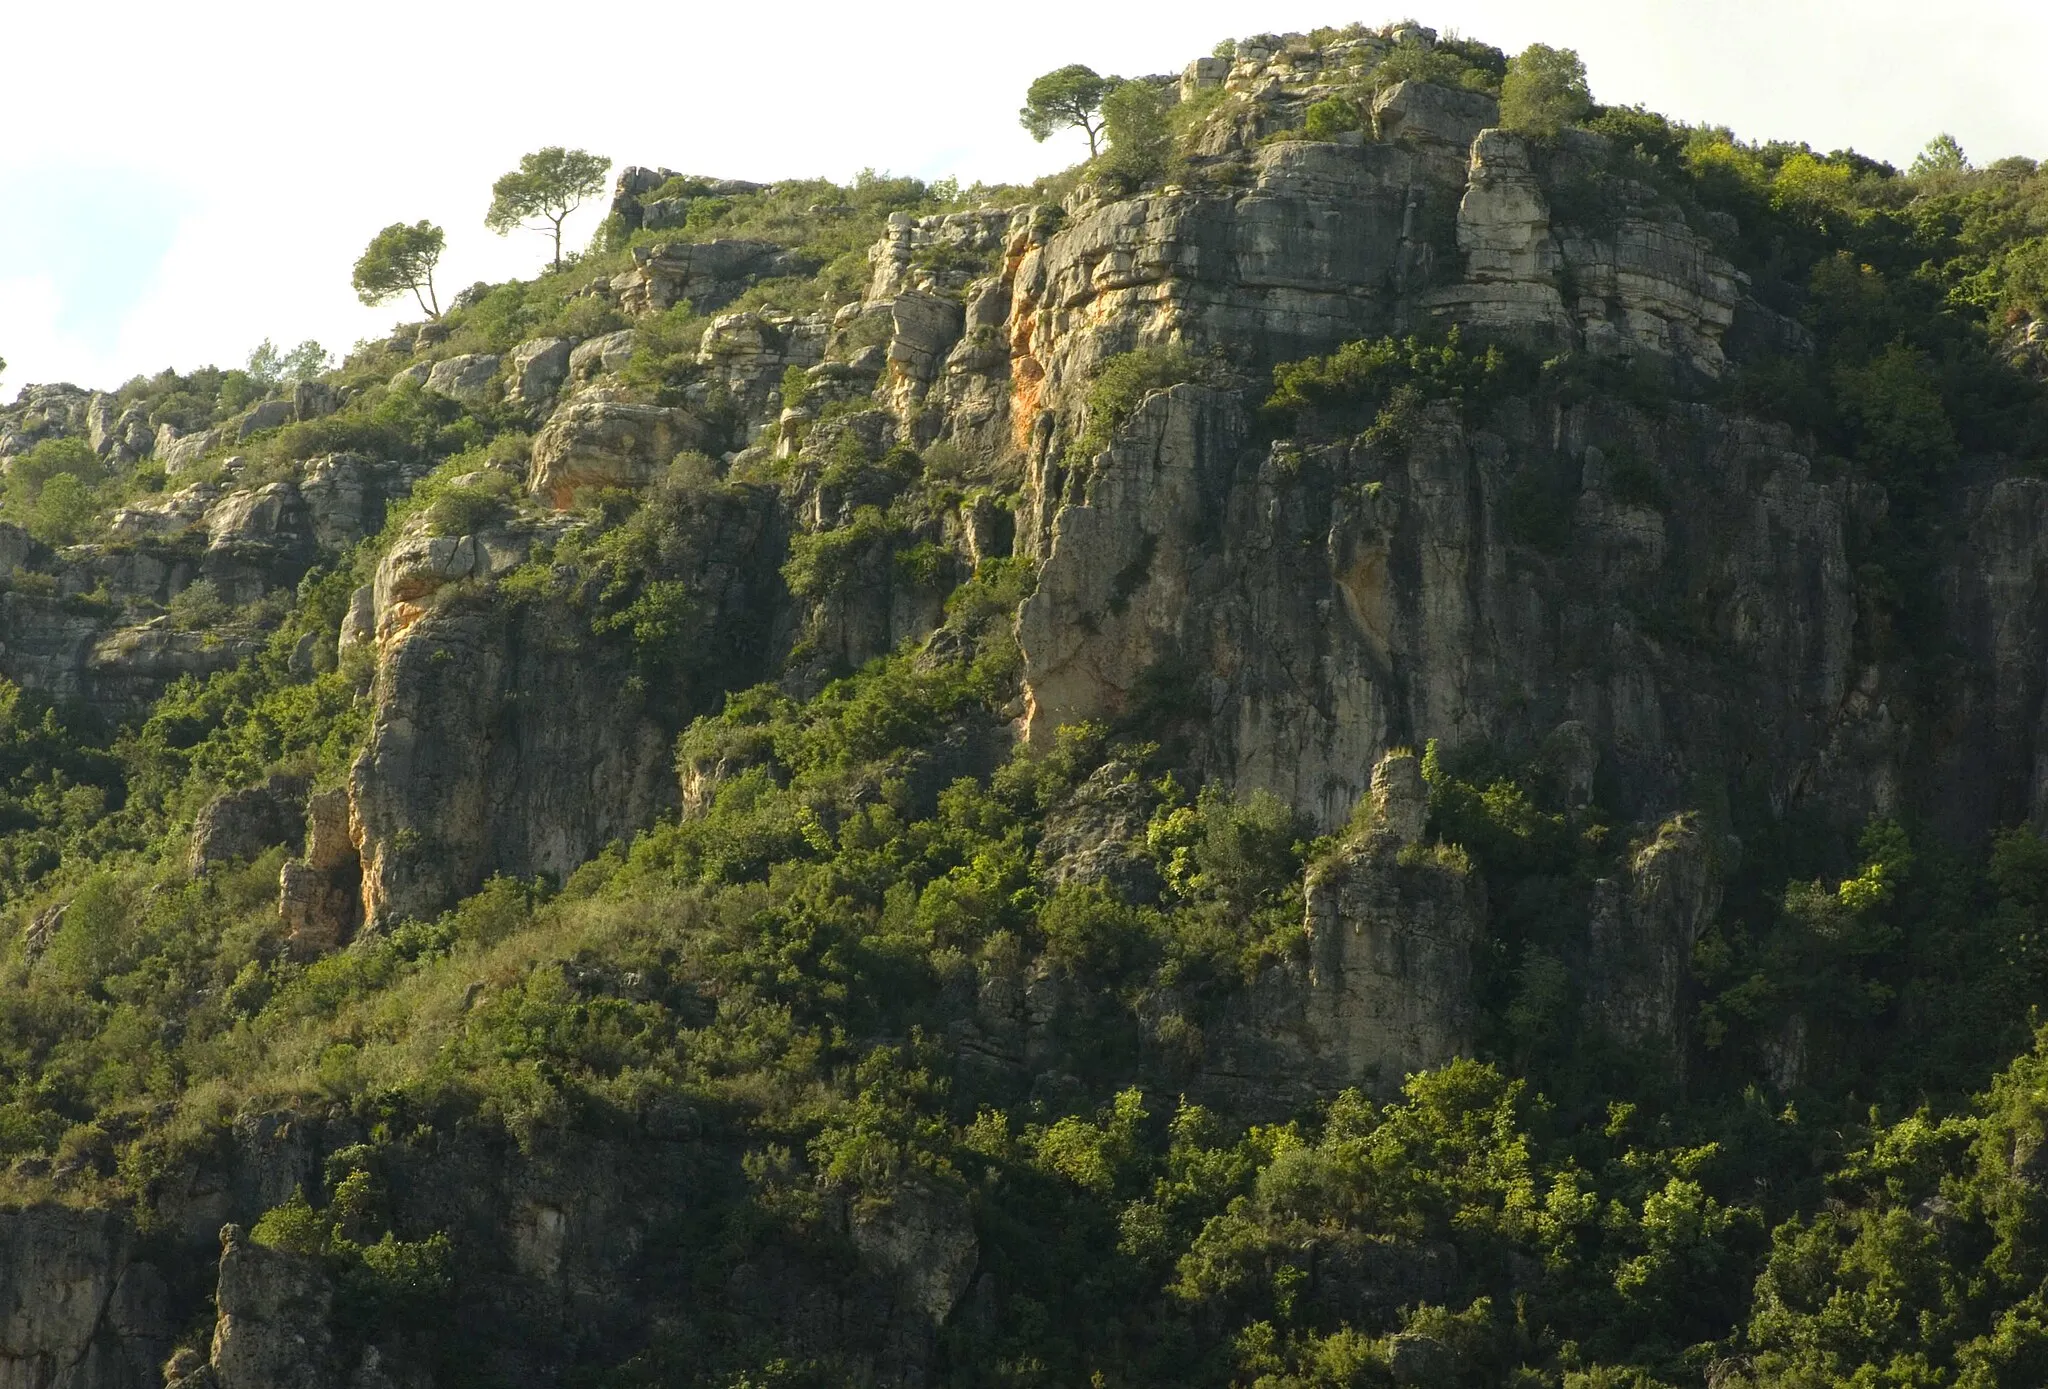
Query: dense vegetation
x=775, y=994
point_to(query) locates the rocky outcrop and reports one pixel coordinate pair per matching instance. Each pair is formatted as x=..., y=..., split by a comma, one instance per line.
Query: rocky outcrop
x=535, y=370
x=1391, y=926
x=241, y=824
x=1644, y=283
x=707, y=275
x=606, y=354
x=419, y=565
x=127, y=669
x=600, y=439
x=467, y=378
x=1439, y=122
x=258, y=541
x=748, y=353
x=271, y=1329
x=1098, y=835
x=635, y=207
x=1642, y=932
x=471, y=768
x=319, y=897
x=269, y=414
x=77, y=1310
x=346, y=496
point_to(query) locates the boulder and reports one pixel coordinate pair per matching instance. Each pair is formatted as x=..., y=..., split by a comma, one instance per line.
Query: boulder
x=466, y=378
x=270, y=414
x=314, y=399
x=600, y=439
x=183, y=451
x=535, y=369
x=608, y=353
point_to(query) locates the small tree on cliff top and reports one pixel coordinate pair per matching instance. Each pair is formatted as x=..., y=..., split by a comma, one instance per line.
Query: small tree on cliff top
x=398, y=259
x=548, y=185
x=1072, y=95
x=1545, y=91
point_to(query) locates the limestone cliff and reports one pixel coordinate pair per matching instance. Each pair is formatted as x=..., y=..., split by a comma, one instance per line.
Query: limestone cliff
x=1654, y=612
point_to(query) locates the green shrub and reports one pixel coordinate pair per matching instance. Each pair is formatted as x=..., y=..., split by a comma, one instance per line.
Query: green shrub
x=1330, y=117
x=1124, y=380
x=468, y=509
x=198, y=606
x=1365, y=375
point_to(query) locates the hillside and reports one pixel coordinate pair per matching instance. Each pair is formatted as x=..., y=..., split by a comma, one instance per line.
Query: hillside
x=1395, y=734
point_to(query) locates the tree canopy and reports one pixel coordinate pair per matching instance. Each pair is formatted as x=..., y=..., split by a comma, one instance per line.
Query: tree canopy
x=1943, y=155
x=398, y=259
x=302, y=363
x=1068, y=96
x=548, y=185
x=1134, y=117
x=1544, y=91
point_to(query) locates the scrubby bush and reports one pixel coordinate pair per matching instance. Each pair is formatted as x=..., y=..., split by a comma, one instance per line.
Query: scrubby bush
x=1330, y=117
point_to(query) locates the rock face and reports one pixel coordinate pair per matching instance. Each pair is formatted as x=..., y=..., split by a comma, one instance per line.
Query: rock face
x=472, y=766
x=922, y=1237
x=1642, y=934
x=127, y=669
x=1391, y=927
x=1311, y=610
x=77, y=1311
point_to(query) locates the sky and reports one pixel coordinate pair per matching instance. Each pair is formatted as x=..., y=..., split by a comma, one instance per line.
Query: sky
x=179, y=182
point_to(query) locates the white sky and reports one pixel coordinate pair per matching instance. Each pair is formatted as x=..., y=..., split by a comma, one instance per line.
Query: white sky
x=179, y=181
